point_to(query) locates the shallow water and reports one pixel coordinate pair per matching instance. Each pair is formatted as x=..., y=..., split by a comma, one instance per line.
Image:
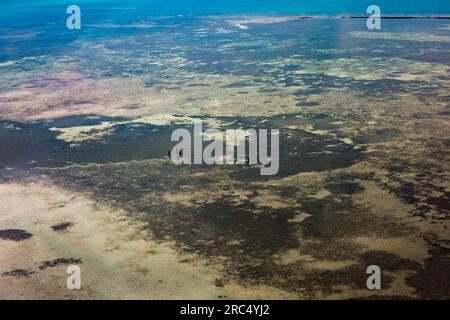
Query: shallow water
x=363, y=119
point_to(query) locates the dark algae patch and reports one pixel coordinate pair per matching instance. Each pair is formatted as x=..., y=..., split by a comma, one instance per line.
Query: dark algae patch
x=433, y=278
x=14, y=234
x=18, y=273
x=35, y=145
x=57, y=262
x=308, y=104
x=61, y=227
x=344, y=187
x=442, y=202
x=302, y=151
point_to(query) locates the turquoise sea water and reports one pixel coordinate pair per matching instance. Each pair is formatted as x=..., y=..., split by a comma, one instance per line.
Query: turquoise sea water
x=207, y=7
x=33, y=12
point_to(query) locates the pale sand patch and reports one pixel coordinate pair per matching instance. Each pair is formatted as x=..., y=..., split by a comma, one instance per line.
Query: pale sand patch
x=196, y=199
x=241, y=26
x=413, y=249
x=330, y=264
x=78, y=134
x=54, y=95
x=369, y=69
x=234, y=136
x=267, y=199
x=294, y=256
x=347, y=140
x=223, y=31
x=300, y=217
x=7, y=63
x=300, y=72
x=192, y=199
x=262, y=292
x=121, y=26
x=309, y=184
x=63, y=90
x=381, y=201
x=242, y=23
x=118, y=260
x=11, y=126
x=398, y=287
x=84, y=133
x=321, y=132
x=408, y=36
x=323, y=193
x=23, y=35
x=291, y=256
x=162, y=120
